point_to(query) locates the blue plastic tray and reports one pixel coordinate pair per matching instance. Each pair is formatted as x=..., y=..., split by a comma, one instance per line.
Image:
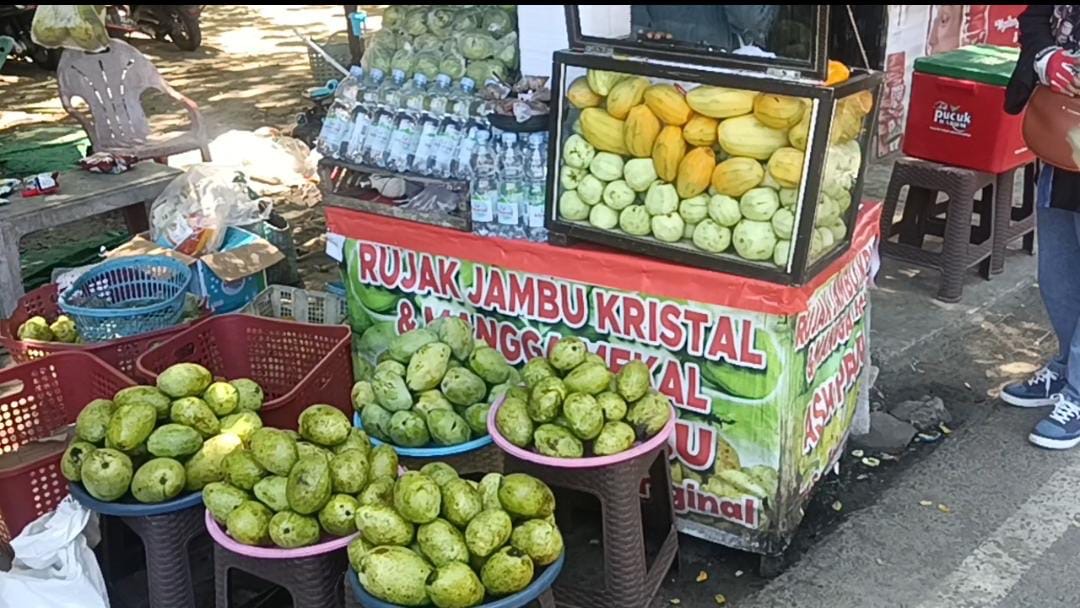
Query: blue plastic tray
x=130, y=508
x=440, y=451
x=535, y=589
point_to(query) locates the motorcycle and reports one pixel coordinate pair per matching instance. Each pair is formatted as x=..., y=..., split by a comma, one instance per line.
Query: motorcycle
x=177, y=22
x=15, y=22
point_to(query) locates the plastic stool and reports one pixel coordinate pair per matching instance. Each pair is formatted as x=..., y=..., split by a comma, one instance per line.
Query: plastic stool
x=166, y=531
x=964, y=245
x=488, y=459
x=313, y=582
x=629, y=581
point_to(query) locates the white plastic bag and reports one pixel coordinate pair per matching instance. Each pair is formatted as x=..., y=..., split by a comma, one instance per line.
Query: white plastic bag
x=194, y=210
x=71, y=26
x=54, y=565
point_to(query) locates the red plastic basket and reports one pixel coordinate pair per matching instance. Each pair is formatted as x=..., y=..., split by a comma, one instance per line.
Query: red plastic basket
x=296, y=364
x=38, y=400
x=42, y=301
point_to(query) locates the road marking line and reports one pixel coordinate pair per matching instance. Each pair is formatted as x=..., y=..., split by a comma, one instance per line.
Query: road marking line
x=988, y=574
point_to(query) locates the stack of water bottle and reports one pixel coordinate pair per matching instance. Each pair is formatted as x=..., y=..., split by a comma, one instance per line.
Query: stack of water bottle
x=441, y=131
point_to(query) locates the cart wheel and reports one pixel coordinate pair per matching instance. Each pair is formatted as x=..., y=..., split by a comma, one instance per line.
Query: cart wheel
x=771, y=566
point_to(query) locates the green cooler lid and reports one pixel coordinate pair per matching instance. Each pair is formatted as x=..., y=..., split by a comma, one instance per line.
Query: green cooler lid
x=984, y=63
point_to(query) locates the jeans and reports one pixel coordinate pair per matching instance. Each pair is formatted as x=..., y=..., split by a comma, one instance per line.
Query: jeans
x=1059, y=282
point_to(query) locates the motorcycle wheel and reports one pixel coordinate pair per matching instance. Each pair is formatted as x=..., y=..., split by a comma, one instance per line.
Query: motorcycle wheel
x=186, y=33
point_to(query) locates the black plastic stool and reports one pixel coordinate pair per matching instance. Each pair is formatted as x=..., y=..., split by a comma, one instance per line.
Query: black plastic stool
x=313, y=582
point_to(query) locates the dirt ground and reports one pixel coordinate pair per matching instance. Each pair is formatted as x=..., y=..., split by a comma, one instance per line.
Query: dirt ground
x=250, y=72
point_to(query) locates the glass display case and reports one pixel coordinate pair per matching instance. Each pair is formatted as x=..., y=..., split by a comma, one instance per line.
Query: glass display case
x=741, y=160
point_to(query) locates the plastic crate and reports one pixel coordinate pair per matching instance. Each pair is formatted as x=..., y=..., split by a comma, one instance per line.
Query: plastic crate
x=337, y=46
x=126, y=297
x=296, y=364
x=294, y=304
x=120, y=353
x=38, y=400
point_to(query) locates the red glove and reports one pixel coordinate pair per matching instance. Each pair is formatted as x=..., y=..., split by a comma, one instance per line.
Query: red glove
x=1061, y=72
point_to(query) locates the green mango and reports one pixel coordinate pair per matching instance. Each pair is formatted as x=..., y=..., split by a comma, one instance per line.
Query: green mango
x=616, y=436
x=460, y=502
x=174, y=441
x=513, y=422
x=384, y=462
x=455, y=585
x=584, y=416
x=540, y=540
x=462, y=387
x=403, y=347
x=408, y=429
x=506, y=572
x=390, y=391
x=417, y=497
x=349, y=471
x=93, y=421
x=243, y=424
x=250, y=394
x=242, y=469
x=490, y=365
x=220, y=499
x=382, y=525
x=590, y=378
x=130, y=425
x=184, y=380
x=526, y=497
x=222, y=397
x=448, y=428
x=613, y=404
x=309, y=486
x=378, y=492
x=633, y=380
x=324, y=425
x=193, y=412
x=439, y=472
x=567, y=354
x=271, y=490
x=144, y=394
x=249, y=523
x=338, y=517
x=72, y=460
x=442, y=543
x=744, y=382
x=208, y=464
x=536, y=370
x=427, y=367
x=275, y=450
x=158, y=480
x=106, y=474
x=476, y=416
x=545, y=399
x=395, y=575
x=649, y=415
x=290, y=530
x=488, y=531
x=455, y=333
x=357, y=440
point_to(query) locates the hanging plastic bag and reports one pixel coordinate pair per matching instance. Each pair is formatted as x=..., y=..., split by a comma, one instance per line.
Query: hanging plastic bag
x=71, y=26
x=193, y=212
x=54, y=565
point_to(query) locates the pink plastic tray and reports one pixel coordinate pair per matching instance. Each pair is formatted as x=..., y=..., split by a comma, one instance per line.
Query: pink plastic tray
x=223, y=539
x=592, y=462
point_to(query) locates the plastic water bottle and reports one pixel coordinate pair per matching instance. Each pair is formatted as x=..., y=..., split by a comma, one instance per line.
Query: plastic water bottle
x=363, y=114
x=536, y=188
x=511, y=189
x=336, y=127
x=406, y=130
x=452, y=130
x=474, y=123
x=438, y=103
x=382, y=125
x=484, y=192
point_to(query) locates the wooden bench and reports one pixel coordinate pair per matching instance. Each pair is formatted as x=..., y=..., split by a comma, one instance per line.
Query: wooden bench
x=82, y=195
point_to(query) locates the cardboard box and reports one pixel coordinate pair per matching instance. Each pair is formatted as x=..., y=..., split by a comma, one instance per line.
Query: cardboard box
x=226, y=280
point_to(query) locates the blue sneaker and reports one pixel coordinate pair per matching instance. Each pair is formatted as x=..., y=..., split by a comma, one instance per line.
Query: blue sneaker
x=1037, y=391
x=1060, y=430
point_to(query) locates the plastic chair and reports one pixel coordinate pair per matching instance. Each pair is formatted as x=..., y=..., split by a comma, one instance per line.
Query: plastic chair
x=112, y=83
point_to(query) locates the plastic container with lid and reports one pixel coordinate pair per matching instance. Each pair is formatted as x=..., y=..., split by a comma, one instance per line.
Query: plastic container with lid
x=957, y=114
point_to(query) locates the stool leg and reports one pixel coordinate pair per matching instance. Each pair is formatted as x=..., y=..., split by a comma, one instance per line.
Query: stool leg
x=624, y=570
x=918, y=211
x=1003, y=202
x=957, y=239
x=546, y=599
x=221, y=587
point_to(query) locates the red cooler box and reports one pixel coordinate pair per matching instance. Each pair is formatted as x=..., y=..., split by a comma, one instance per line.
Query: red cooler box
x=956, y=114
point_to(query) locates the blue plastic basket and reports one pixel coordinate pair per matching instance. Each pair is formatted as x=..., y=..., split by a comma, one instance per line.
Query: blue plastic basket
x=127, y=297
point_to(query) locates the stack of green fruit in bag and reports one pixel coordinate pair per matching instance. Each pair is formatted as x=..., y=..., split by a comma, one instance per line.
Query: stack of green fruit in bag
x=287, y=488
x=433, y=387
x=159, y=441
x=573, y=405
x=437, y=539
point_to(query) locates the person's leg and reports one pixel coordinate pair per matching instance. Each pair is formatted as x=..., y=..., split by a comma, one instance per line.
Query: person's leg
x=1059, y=283
x=1061, y=428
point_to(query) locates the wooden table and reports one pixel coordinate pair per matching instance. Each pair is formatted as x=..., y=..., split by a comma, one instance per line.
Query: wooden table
x=82, y=195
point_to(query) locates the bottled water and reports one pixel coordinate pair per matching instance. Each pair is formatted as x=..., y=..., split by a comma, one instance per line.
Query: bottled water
x=511, y=189
x=363, y=114
x=485, y=186
x=406, y=133
x=337, y=126
x=536, y=188
x=475, y=123
x=423, y=161
x=452, y=133
x=377, y=140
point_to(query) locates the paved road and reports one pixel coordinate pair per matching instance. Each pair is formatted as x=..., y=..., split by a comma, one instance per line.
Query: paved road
x=1008, y=534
